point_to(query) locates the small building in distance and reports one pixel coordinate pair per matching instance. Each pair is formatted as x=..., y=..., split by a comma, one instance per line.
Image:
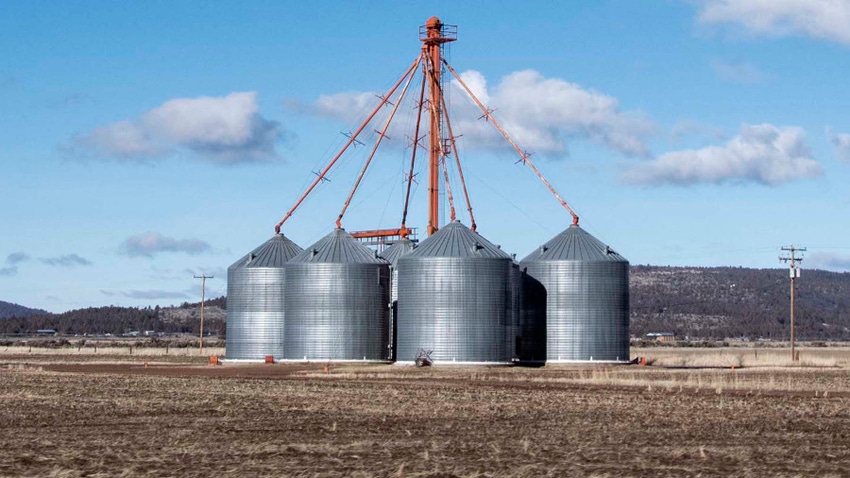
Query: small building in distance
x=661, y=336
x=46, y=332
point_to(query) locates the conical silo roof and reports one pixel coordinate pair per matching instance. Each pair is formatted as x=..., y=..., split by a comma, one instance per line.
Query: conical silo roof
x=575, y=244
x=338, y=247
x=456, y=240
x=273, y=253
x=400, y=248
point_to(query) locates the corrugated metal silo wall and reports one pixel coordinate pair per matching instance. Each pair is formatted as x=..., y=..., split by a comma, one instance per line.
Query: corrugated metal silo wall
x=255, y=312
x=337, y=311
x=532, y=322
x=393, y=313
x=393, y=284
x=587, y=312
x=458, y=307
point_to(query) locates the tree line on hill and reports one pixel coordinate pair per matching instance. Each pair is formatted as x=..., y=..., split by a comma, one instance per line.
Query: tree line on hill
x=730, y=302
x=694, y=302
x=8, y=309
x=117, y=320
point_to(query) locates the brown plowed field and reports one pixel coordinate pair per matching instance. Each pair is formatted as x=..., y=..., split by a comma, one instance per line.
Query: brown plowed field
x=91, y=418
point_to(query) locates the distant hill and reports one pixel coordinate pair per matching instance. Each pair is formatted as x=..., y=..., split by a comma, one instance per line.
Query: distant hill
x=119, y=320
x=8, y=309
x=694, y=302
x=728, y=302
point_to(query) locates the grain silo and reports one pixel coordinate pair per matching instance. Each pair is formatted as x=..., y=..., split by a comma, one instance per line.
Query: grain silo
x=400, y=248
x=336, y=302
x=586, y=287
x=255, y=301
x=454, y=299
x=392, y=254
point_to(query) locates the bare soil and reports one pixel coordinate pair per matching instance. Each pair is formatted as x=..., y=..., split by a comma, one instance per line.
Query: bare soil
x=122, y=418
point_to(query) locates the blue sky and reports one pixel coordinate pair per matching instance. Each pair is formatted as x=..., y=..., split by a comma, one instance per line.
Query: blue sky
x=147, y=142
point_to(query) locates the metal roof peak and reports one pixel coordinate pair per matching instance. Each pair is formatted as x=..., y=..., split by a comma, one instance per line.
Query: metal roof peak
x=338, y=247
x=456, y=240
x=575, y=244
x=275, y=252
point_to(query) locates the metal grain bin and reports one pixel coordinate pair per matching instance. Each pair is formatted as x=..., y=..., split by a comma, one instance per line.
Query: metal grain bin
x=586, y=295
x=255, y=311
x=401, y=248
x=454, y=299
x=392, y=254
x=336, y=302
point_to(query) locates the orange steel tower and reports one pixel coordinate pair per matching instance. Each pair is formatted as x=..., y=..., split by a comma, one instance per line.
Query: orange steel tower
x=433, y=40
x=433, y=35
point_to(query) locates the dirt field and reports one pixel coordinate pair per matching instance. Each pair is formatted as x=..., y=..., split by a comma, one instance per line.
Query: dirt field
x=87, y=416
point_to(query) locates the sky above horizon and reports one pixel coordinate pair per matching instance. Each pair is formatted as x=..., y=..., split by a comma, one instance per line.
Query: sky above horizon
x=144, y=143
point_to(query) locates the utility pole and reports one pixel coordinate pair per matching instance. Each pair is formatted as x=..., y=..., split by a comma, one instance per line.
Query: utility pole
x=203, y=289
x=794, y=273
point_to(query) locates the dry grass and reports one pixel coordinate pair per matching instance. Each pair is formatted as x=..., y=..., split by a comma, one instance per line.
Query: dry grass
x=745, y=357
x=108, y=351
x=296, y=420
x=810, y=381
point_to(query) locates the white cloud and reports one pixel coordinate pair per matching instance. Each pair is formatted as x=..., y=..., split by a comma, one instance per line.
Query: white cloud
x=343, y=106
x=737, y=72
x=540, y=113
x=124, y=139
x=68, y=260
x=477, y=83
x=825, y=19
x=763, y=154
x=148, y=244
x=223, y=130
x=17, y=258
x=688, y=127
x=829, y=261
x=841, y=142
